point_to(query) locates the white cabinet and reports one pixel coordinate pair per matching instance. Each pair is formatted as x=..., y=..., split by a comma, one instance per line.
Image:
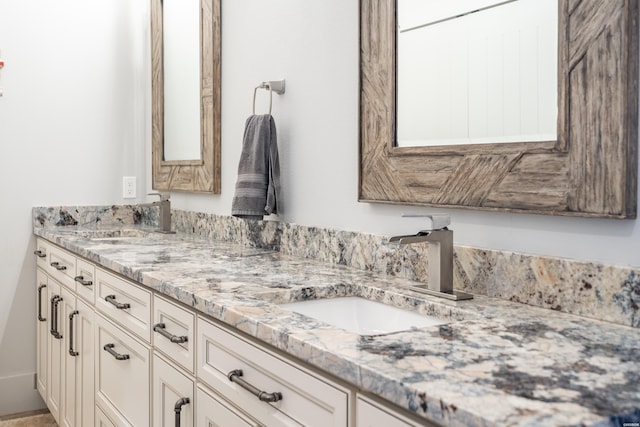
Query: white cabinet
x=213, y=411
x=267, y=387
x=55, y=347
x=113, y=354
x=42, y=332
x=124, y=302
x=65, y=340
x=174, y=332
x=122, y=374
x=78, y=362
x=173, y=395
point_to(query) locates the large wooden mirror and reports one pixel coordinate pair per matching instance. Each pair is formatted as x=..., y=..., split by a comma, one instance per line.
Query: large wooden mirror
x=590, y=170
x=175, y=167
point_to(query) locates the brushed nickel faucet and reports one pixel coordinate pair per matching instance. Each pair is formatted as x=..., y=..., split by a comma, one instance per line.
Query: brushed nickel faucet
x=165, y=212
x=440, y=257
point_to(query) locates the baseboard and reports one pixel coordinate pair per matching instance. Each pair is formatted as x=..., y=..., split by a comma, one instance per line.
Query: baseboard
x=18, y=394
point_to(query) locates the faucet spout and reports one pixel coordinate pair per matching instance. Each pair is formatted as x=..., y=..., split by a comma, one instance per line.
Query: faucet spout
x=165, y=212
x=440, y=262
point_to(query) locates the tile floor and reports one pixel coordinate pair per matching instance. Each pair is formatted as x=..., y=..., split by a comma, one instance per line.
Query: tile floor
x=29, y=420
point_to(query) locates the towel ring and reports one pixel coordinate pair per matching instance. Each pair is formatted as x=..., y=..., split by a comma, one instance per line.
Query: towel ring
x=263, y=86
x=276, y=86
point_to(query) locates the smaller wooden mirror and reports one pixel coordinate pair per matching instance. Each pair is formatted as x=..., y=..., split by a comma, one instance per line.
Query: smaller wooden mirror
x=199, y=175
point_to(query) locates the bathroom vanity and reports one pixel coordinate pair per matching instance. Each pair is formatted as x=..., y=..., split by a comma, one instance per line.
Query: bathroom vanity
x=184, y=330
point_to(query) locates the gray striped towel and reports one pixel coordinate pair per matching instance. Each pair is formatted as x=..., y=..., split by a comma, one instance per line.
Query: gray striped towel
x=258, y=181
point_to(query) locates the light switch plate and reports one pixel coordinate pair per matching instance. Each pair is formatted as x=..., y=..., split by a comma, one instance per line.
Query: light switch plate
x=128, y=187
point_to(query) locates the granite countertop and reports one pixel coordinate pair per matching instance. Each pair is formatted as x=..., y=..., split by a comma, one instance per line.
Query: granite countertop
x=494, y=363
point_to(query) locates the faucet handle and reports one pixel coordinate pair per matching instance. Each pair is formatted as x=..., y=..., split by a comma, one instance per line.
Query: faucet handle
x=438, y=220
x=163, y=196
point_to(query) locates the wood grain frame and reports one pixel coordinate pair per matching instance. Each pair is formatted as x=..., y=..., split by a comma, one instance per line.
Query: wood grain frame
x=590, y=171
x=193, y=176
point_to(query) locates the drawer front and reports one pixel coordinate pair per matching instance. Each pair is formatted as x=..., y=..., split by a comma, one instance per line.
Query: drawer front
x=125, y=303
x=122, y=375
x=306, y=399
x=42, y=254
x=62, y=266
x=173, y=394
x=173, y=333
x=212, y=410
x=85, y=280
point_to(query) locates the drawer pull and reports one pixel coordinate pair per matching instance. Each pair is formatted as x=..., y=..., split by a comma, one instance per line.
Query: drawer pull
x=234, y=376
x=109, y=349
x=40, y=254
x=57, y=266
x=83, y=282
x=119, y=305
x=160, y=328
x=72, y=352
x=40, y=318
x=178, y=408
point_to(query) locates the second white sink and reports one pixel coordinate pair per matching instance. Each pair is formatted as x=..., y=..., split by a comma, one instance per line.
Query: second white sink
x=361, y=316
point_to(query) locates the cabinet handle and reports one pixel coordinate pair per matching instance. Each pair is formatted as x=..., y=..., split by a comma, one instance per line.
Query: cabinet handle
x=160, y=328
x=234, y=376
x=80, y=279
x=40, y=254
x=120, y=306
x=57, y=266
x=178, y=408
x=72, y=352
x=109, y=349
x=54, y=316
x=40, y=288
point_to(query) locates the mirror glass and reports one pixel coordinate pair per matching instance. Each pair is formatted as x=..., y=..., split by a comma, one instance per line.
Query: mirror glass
x=476, y=71
x=181, y=63
x=185, y=87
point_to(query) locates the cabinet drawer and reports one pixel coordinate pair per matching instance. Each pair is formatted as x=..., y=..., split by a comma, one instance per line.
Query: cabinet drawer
x=306, y=399
x=85, y=280
x=122, y=375
x=125, y=303
x=42, y=254
x=173, y=334
x=212, y=410
x=62, y=266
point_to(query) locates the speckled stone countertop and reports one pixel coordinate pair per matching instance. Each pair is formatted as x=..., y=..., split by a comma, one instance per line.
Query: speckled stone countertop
x=494, y=363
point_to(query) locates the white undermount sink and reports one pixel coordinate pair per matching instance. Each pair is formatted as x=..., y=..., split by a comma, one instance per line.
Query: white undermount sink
x=361, y=316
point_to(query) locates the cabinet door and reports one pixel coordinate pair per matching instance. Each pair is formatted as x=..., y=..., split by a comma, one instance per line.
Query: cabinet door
x=102, y=420
x=42, y=332
x=68, y=386
x=78, y=396
x=213, y=411
x=122, y=375
x=55, y=348
x=173, y=396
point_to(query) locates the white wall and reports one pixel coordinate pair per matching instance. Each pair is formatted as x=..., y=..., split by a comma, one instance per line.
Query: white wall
x=314, y=46
x=72, y=123
x=75, y=117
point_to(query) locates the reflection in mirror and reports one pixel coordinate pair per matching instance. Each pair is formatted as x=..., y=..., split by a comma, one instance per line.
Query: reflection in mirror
x=185, y=85
x=181, y=63
x=476, y=71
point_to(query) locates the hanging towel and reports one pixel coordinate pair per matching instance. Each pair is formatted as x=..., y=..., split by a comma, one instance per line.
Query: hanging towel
x=258, y=181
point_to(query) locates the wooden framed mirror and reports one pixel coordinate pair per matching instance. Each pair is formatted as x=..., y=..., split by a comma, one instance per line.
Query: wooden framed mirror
x=199, y=172
x=589, y=171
